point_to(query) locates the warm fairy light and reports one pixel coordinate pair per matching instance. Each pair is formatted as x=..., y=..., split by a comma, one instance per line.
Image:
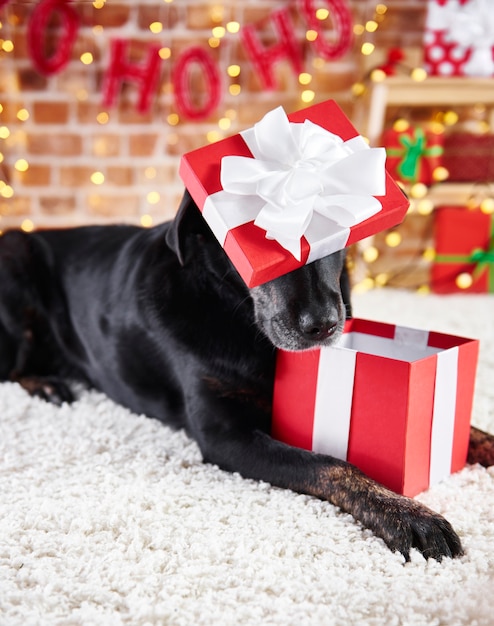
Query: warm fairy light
x=7, y=45
x=464, y=280
x=4, y=132
x=6, y=191
x=304, y=78
x=371, y=26
x=234, y=90
x=1, y=157
x=307, y=95
x=97, y=178
x=153, y=197
x=450, y=118
x=487, y=206
x=173, y=119
x=150, y=173
x=367, y=48
x=381, y=279
x=82, y=95
x=358, y=89
x=381, y=9
x=21, y=165
x=418, y=190
x=378, y=75
x=318, y=63
x=429, y=254
x=99, y=4
x=425, y=206
x=393, y=239
x=418, y=74
x=322, y=14
x=364, y=285
x=213, y=135
x=370, y=254
x=436, y=127
x=358, y=29
x=311, y=35
x=440, y=173
x=98, y=29
x=213, y=42
x=231, y=114
x=423, y=290
x=102, y=117
x=165, y=53
x=224, y=123
x=233, y=70
x=233, y=27
x=146, y=220
x=218, y=32
x=22, y=115
x=27, y=226
x=87, y=58
x=156, y=27
x=401, y=125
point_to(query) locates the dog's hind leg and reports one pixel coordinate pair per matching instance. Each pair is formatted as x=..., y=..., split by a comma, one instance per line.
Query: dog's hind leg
x=27, y=346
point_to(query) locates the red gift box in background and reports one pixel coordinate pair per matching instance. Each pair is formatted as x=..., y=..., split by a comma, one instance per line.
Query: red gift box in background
x=394, y=401
x=459, y=38
x=464, y=251
x=413, y=154
x=469, y=157
x=257, y=258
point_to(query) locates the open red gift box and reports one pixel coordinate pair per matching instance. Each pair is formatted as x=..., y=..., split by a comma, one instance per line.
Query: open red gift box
x=394, y=401
x=259, y=259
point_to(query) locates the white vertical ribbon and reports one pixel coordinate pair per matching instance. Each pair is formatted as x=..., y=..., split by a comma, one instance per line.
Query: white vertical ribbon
x=443, y=418
x=334, y=394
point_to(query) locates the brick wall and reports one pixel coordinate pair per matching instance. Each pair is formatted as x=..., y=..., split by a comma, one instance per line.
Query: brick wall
x=58, y=124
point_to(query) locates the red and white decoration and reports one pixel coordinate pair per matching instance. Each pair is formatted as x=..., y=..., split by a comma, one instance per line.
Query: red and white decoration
x=459, y=38
x=285, y=192
x=394, y=401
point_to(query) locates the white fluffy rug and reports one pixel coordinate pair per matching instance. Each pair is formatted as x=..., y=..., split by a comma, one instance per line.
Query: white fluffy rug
x=109, y=518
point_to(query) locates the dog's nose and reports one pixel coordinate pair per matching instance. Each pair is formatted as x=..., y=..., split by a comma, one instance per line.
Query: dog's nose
x=317, y=329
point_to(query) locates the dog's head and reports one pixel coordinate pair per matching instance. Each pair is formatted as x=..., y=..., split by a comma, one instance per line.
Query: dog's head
x=297, y=311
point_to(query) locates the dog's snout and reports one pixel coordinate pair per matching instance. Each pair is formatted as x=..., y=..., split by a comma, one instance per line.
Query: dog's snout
x=317, y=328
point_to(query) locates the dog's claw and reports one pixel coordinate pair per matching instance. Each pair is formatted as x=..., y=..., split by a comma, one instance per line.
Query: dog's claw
x=50, y=389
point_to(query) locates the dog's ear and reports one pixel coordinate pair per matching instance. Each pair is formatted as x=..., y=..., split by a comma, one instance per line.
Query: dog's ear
x=186, y=222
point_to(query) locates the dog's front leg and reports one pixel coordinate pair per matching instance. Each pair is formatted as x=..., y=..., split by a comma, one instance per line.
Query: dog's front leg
x=481, y=448
x=228, y=438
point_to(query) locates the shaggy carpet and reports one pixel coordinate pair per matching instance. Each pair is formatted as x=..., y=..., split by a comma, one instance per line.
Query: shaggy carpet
x=109, y=518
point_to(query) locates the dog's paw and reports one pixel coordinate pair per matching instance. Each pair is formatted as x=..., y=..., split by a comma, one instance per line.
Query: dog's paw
x=481, y=448
x=51, y=389
x=406, y=524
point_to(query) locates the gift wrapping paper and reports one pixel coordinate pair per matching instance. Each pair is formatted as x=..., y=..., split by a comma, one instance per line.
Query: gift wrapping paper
x=464, y=244
x=394, y=401
x=459, y=38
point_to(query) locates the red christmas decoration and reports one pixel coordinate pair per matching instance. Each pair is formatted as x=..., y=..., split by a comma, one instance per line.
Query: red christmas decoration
x=343, y=22
x=181, y=83
x=120, y=70
x=264, y=58
x=38, y=26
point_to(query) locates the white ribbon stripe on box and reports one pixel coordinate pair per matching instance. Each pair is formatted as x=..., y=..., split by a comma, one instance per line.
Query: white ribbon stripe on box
x=336, y=375
x=303, y=180
x=470, y=25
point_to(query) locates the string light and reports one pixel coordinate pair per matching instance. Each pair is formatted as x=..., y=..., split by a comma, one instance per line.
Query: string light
x=464, y=280
x=487, y=206
x=150, y=173
x=307, y=95
x=165, y=53
x=21, y=165
x=233, y=27
x=97, y=178
x=234, y=90
x=224, y=123
x=22, y=115
x=146, y=220
x=173, y=119
x=418, y=74
x=370, y=254
x=371, y=26
x=305, y=78
x=102, y=118
x=156, y=27
x=153, y=197
x=367, y=48
x=322, y=14
x=233, y=70
x=218, y=32
x=27, y=226
x=87, y=58
x=393, y=239
x=311, y=35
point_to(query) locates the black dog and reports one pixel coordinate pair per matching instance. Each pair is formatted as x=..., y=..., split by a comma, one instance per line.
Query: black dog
x=160, y=321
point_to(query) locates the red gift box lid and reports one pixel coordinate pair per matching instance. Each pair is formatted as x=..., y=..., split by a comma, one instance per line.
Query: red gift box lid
x=257, y=258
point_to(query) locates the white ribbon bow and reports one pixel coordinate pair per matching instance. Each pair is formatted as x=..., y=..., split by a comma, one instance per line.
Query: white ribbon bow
x=300, y=170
